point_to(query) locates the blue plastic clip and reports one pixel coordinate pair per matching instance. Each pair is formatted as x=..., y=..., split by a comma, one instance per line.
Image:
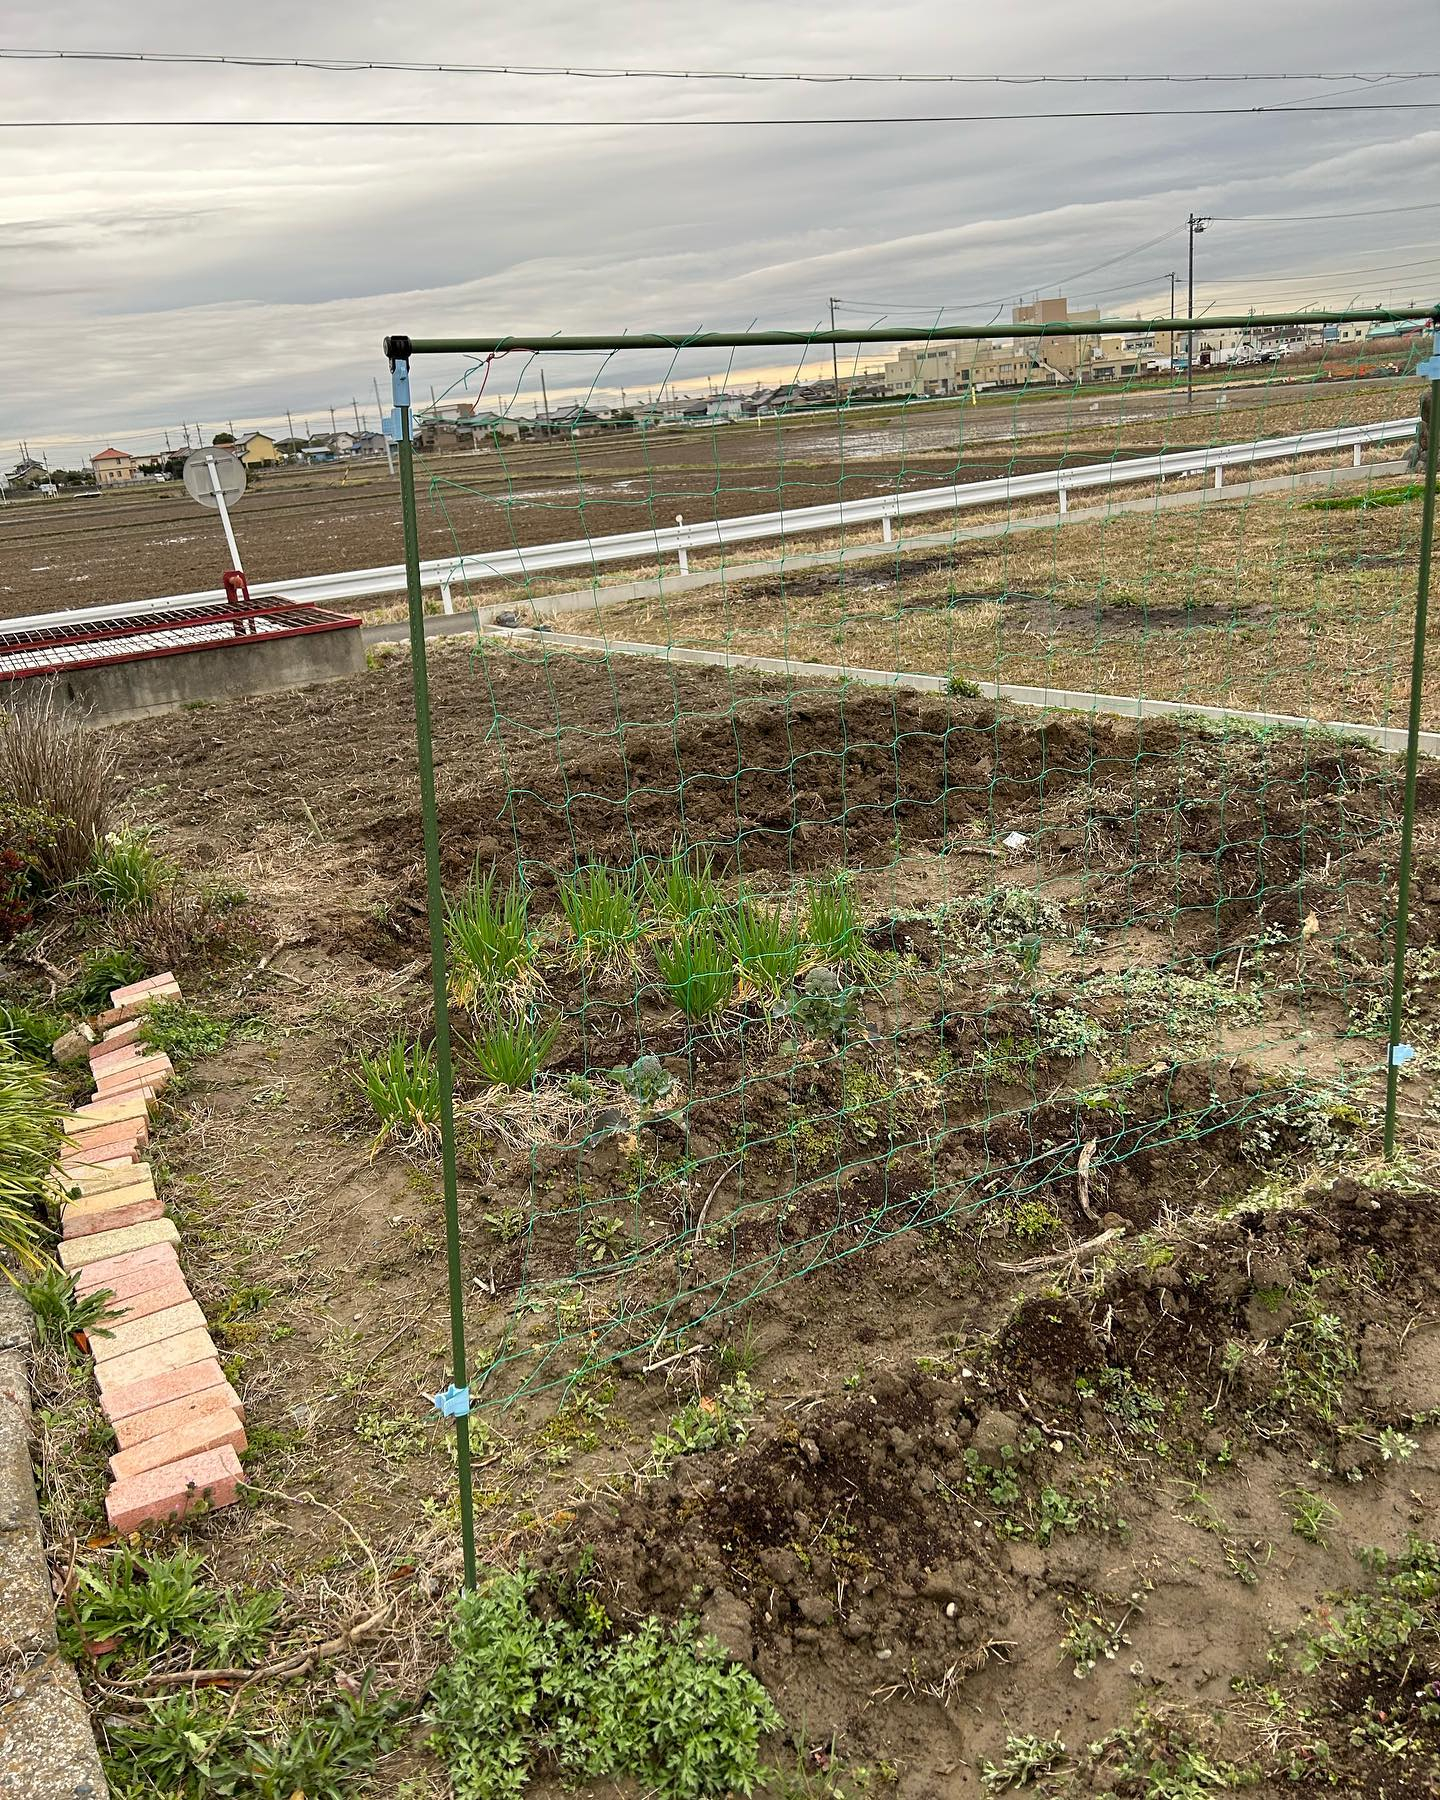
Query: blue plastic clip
x=400, y=382
x=390, y=425
x=1429, y=370
x=454, y=1403
x=1400, y=1054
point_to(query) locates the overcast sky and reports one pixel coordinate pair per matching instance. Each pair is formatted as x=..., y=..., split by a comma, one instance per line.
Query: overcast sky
x=153, y=276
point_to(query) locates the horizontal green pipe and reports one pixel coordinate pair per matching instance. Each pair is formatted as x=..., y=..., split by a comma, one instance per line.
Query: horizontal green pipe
x=906, y=334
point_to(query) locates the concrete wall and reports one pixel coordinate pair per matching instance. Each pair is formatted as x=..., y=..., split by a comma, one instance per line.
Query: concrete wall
x=156, y=684
x=47, y=1751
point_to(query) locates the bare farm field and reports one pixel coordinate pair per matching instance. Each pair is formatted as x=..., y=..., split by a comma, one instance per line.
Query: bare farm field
x=938, y=1322
x=116, y=547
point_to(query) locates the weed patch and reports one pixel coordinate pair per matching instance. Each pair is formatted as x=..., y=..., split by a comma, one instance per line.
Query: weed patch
x=29, y=1137
x=664, y=1707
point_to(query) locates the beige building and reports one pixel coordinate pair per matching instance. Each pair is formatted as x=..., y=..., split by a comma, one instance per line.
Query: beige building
x=1081, y=356
x=956, y=368
x=256, y=448
x=114, y=466
x=1069, y=357
x=1065, y=355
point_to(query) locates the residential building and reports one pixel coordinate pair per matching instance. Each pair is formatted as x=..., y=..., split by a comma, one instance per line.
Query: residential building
x=582, y=421
x=114, y=467
x=432, y=435
x=29, y=475
x=256, y=448
x=325, y=446
x=368, y=443
x=502, y=426
x=1394, y=328
x=791, y=396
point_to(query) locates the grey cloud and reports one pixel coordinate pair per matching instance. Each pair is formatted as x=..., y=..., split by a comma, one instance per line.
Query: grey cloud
x=231, y=274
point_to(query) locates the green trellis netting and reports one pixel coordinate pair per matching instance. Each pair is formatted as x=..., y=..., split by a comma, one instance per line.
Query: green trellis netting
x=920, y=834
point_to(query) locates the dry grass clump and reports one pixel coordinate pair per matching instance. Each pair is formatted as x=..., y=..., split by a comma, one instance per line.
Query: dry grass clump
x=52, y=764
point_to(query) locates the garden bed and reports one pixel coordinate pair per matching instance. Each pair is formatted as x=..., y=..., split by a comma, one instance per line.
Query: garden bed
x=956, y=1298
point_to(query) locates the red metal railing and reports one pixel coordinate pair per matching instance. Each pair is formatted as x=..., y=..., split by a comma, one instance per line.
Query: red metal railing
x=40, y=649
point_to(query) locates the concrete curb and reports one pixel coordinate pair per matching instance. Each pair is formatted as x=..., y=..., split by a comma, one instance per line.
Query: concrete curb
x=47, y=1749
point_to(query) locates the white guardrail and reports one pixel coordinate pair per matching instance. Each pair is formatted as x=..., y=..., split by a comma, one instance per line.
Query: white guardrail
x=448, y=572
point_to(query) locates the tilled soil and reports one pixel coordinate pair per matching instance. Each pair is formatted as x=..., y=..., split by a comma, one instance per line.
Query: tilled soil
x=839, y=1548
x=546, y=762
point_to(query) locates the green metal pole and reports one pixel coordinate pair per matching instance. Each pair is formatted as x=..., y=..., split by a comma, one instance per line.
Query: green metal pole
x=1412, y=758
x=435, y=897
x=902, y=334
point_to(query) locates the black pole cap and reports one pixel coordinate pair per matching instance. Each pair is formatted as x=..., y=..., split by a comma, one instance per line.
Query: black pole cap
x=397, y=348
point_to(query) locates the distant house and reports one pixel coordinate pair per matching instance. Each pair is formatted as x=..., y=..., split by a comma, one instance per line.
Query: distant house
x=325, y=446
x=432, y=435
x=497, y=425
x=368, y=443
x=113, y=467
x=583, y=421
x=256, y=448
x=28, y=475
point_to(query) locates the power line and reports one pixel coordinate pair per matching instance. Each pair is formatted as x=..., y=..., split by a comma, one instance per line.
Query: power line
x=1017, y=293
x=1380, y=268
x=1317, y=278
x=433, y=124
x=1370, y=212
x=360, y=65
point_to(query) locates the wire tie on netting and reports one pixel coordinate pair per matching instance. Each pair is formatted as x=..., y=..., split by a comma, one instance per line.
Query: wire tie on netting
x=1400, y=1054
x=453, y=1403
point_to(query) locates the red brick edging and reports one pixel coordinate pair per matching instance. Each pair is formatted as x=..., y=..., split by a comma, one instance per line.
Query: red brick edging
x=178, y=1423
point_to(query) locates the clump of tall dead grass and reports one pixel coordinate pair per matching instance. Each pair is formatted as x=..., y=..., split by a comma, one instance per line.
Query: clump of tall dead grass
x=52, y=764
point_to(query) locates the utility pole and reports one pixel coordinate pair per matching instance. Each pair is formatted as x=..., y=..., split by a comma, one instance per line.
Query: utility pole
x=332, y=421
x=834, y=357
x=291, y=423
x=1171, y=345
x=1196, y=225
x=389, y=453
x=356, y=404
x=545, y=402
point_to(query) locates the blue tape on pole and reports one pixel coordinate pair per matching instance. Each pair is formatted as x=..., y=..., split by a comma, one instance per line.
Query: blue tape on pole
x=454, y=1403
x=1400, y=1054
x=390, y=425
x=400, y=383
